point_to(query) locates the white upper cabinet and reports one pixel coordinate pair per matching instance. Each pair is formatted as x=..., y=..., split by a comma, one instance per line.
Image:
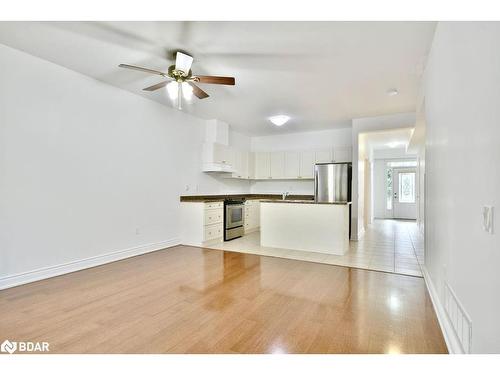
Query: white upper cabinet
x=262, y=165
x=307, y=161
x=244, y=164
x=277, y=162
x=216, y=157
x=238, y=164
x=251, y=165
x=342, y=154
x=241, y=164
x=292, y=164
x=323, y=156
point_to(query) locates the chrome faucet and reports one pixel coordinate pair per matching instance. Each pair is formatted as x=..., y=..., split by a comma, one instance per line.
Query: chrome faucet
x=284, y=195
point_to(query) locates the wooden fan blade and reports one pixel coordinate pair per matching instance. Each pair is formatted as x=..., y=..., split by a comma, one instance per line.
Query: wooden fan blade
x=157, y=86
x=200, y=94
x=146, y=70
x=215, y=80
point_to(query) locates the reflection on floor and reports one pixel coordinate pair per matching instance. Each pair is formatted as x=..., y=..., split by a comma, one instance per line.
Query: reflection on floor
x=388, y=245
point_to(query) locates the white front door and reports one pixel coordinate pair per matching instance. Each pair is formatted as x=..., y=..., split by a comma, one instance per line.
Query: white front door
x=404, y=193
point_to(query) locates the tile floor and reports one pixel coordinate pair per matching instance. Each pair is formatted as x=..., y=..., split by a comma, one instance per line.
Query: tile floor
x=388, y=245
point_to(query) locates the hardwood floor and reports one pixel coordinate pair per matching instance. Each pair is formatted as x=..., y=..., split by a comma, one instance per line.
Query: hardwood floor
x=192, y=300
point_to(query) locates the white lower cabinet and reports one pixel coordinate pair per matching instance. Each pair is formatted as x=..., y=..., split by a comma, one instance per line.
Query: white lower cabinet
x=202, y=223
x=252, y=215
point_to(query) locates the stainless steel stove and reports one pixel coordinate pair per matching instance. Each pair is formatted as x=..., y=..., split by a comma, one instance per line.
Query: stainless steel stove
x=234, y=218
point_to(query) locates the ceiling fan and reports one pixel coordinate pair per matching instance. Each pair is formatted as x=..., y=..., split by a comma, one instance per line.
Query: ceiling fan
x=180, y=80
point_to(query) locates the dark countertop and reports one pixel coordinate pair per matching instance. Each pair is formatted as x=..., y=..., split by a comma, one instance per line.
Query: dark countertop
x=302, y=201
x=270, y=197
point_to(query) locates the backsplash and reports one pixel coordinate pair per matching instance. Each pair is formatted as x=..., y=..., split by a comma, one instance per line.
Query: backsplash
x=280, y=186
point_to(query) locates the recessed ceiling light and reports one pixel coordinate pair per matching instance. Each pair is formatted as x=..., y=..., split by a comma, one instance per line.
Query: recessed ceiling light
x=392, y=92
x=279, y=119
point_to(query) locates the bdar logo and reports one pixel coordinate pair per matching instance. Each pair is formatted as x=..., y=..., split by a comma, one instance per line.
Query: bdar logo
x=8, y=347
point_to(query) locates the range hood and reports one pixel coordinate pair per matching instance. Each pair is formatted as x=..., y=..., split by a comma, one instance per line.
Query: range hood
x=217, y=156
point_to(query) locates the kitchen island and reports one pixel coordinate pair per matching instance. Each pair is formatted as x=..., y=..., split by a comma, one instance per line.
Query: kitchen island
x=305, y=225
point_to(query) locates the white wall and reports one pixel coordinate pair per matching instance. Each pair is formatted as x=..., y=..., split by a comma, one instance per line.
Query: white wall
x=379, y=189
x=83, y=165
x=462, y=157
x=314, y=140
x=303, y=141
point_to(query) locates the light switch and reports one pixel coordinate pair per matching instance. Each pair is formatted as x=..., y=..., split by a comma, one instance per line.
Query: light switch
x=488, y=219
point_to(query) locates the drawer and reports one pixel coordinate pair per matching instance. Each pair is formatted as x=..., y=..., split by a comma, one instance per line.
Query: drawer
x=213, y=216
x=213, y=231
x=213, y=205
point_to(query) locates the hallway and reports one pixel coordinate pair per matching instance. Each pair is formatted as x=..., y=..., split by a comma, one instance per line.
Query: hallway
x=394, y=246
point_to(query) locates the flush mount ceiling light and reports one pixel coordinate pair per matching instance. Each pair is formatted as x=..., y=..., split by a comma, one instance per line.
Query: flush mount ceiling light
x=279, y=120
x=395, y=144
x=392, y=92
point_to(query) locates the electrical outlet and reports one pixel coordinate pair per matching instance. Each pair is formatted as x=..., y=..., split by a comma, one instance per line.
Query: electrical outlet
x=186, y=188
x=488, y=219
x=137, y=231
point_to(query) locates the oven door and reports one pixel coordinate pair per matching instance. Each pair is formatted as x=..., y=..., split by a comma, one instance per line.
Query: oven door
x=234, y=215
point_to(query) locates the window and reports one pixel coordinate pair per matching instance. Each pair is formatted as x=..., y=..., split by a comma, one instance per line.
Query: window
x=407, y=187
x=389, y=189
x=402, y=164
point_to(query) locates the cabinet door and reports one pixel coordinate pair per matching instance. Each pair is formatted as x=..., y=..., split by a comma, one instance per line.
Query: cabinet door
x=230, y=156
x=262, y=165
x=219, y=153
x=307, y=164
x=244, y=164
x=324, y=156
x=277, y=164
x=292, y=164
x=342, y=154
x=238, y=164
x=251, y=165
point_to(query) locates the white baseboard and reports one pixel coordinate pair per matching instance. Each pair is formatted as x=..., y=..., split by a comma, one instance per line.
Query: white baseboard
x=77, y=265
x=446, y=327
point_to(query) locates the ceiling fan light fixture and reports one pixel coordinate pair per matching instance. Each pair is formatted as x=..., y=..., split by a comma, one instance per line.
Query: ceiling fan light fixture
x=172, y=90
x=183, y=62
x=279, y=120
x=187, y=91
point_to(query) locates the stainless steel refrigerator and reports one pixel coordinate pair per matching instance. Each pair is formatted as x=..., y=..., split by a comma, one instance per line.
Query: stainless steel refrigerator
x=332, y=182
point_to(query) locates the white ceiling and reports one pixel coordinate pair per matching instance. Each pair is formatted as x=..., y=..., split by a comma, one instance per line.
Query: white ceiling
x=386, y=139
x=322, y=74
